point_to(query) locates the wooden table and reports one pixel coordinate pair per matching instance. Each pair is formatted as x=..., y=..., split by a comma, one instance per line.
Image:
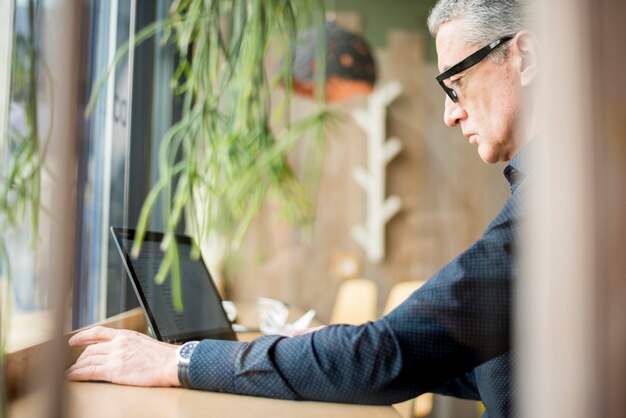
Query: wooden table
x=104, y=400
x=95, y=400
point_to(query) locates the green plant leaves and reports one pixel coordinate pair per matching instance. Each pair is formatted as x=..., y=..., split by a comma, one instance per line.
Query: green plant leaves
x=222, y=159
x=23, y=154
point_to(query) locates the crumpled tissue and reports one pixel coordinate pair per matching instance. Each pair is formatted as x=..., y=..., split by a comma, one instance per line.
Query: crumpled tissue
x=273, y=316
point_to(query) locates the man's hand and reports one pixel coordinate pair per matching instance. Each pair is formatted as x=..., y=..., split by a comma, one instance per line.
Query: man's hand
x=123, y=357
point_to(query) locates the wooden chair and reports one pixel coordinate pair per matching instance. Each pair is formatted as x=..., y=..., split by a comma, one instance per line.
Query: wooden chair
x=400, y=292
x=355, y=303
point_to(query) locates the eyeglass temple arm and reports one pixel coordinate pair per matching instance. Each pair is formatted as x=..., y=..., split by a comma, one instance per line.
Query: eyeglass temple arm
x=473, y=59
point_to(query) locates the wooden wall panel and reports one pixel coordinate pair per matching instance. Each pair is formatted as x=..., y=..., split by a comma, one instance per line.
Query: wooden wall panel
x=448, y=195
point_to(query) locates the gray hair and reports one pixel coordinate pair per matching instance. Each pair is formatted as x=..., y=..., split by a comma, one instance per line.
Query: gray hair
x=483, y=20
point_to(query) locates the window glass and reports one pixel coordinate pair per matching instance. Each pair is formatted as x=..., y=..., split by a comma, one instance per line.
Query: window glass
x=27, y=294
x=116, y=143
x=122, y=137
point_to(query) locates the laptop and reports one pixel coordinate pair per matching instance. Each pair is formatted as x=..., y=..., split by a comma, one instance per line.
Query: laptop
x=203, y=316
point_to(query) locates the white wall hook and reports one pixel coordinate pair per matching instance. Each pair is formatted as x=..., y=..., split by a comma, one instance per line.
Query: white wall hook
x=380, y=151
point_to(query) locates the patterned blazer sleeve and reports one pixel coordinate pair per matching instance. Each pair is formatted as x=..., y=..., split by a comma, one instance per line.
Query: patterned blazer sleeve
x=456, y=321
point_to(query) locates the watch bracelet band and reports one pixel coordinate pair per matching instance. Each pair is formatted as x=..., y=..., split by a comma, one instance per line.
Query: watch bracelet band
x=183, y=375
x=184, y=360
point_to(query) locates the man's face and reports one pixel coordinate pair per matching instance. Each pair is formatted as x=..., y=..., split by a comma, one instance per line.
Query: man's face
x=489, y=96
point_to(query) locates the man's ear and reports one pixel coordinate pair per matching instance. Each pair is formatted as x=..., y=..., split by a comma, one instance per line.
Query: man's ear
x=528, y=62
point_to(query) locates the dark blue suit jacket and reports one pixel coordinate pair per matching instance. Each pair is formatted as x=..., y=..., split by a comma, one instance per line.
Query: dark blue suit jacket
x=451, y=336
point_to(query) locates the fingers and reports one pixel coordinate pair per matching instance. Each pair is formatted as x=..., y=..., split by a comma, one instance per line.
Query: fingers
x=85, y=373
x=91, y=367
x=94, y=350
x=94, y=335
x=124, y=357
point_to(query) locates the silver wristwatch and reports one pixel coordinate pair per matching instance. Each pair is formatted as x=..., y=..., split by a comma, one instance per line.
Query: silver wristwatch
x=183, y=358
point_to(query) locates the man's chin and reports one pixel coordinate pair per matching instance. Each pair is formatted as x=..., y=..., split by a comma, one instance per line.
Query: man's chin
x=489, y=156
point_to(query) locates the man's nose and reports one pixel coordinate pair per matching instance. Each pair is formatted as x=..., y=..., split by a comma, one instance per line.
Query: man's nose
x=453, y=113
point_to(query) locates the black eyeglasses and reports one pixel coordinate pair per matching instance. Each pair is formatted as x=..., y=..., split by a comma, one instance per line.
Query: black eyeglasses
x=468, y=62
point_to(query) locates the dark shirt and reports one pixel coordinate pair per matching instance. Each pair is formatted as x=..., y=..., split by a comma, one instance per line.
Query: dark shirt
x=457, y=321
x=492, y=382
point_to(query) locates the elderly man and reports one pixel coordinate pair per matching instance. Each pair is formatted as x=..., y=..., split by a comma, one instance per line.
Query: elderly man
x=451, y=336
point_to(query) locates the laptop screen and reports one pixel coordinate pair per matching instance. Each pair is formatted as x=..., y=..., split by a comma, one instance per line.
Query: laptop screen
x=202, y=315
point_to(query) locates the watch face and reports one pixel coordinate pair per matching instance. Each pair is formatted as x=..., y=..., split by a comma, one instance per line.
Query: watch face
x=187, y=350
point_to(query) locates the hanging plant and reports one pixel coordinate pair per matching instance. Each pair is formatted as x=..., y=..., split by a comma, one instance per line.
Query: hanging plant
x=221, y=160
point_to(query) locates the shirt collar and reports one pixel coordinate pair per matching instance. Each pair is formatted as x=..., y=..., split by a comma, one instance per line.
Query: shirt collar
x=519, y=166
